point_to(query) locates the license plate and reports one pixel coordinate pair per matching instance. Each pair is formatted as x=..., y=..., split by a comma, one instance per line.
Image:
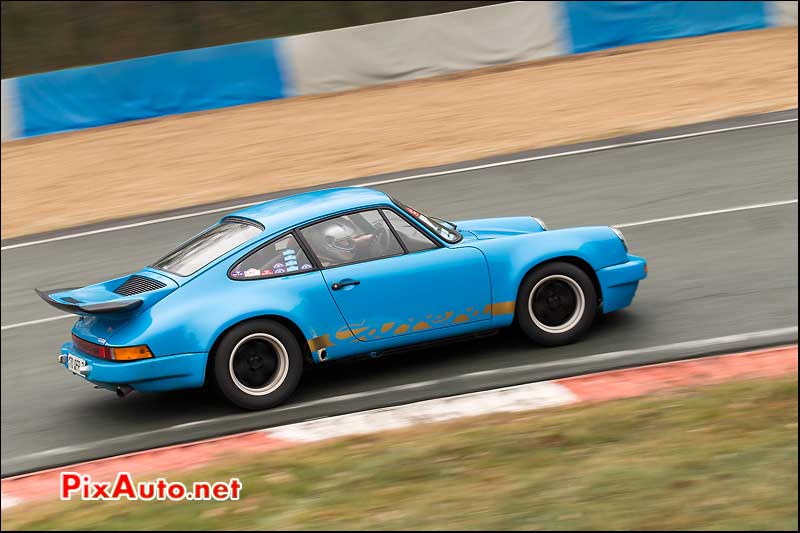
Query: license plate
x=74, y=364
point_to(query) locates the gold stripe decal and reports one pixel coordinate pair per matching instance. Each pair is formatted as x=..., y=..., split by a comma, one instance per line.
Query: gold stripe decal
x=364, y=333
x=500, y=308
x=318, y=343
x=445, y=318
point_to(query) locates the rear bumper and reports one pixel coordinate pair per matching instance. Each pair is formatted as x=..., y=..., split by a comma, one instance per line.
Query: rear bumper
x=180, y=371
x=619, y=282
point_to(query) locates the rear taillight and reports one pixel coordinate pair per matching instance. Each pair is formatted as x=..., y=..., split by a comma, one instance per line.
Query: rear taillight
x=111, y=353
x=90, y=348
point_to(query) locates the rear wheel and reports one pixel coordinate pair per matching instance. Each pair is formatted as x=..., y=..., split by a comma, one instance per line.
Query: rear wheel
x=258, y=364
x=556, y=305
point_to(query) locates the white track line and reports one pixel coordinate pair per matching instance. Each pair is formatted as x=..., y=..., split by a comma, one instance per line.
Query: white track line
x=413, y=177
x=34, y=322
x=706, y=213
x=578, y=152
x=628, y=225
x=691, y=346
x=128, y=226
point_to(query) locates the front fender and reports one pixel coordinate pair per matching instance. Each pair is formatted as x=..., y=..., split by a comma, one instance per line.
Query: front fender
x=511, y=258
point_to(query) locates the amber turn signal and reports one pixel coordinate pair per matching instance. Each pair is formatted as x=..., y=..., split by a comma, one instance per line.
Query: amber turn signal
x=132, y=353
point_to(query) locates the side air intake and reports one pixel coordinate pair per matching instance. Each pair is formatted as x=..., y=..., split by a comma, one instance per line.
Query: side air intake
x=137, y=285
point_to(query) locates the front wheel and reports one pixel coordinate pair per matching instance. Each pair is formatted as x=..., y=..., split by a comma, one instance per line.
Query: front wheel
x=556, y=305
x=258, y=364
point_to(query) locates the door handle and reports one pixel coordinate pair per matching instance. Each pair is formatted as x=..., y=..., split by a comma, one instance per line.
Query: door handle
x=344, y=283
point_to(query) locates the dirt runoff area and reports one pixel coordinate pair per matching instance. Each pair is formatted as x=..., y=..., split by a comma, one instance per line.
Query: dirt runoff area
x=150, y=166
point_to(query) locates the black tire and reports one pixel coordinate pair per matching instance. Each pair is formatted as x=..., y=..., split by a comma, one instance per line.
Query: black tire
x=258, y=364
x=562, y=308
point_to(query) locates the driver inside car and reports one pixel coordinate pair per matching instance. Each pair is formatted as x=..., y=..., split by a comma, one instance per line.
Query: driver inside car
x=339, y=242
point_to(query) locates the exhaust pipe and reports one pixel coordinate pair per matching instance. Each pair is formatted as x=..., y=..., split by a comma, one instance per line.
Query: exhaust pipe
x=123, y=390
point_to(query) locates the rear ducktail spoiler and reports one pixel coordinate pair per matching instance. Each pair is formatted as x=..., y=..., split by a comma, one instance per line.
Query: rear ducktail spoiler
x=80, y=308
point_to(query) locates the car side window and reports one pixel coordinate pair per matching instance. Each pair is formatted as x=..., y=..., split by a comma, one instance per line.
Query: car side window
x=279, y=258
x=413, y=239
x=351, y=238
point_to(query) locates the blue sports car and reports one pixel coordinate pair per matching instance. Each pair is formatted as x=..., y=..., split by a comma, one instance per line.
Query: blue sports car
x=331, y=274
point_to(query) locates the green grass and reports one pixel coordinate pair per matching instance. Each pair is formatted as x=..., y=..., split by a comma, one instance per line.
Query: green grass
x=721, y=457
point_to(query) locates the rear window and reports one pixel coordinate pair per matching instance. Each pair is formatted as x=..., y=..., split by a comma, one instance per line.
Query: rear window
x=208, y=246
x=279, y=258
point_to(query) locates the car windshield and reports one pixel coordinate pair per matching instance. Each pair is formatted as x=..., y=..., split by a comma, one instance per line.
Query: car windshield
x=444, y=229
x=208, y=246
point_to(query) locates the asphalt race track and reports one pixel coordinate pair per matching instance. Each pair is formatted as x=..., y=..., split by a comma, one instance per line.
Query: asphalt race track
x=716, y=275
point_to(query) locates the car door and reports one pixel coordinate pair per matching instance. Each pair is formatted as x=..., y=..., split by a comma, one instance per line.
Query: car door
x=280, y=278
x=403, y=282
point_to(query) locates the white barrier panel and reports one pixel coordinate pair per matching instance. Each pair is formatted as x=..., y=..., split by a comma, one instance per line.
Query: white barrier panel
x=782, y=13
x=420, y=47
x=9, y=110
